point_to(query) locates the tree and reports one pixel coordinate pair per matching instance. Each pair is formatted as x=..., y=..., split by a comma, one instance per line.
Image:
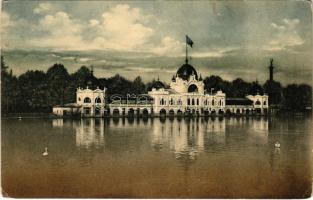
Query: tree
x=274, y=91
x=119, y=85
x=33, y=92
x=58, y=79
x=240, y=88
x=256, y=88
x=8, y=88
x=138, y=87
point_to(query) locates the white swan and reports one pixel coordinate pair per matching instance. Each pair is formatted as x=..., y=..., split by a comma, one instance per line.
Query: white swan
x=46, y=152
x=277, y=144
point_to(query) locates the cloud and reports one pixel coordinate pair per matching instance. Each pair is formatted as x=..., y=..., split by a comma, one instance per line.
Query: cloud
x=85, y=59
x=214, y=53
x=61, y=32
x=122, y=28
x=42, y=8
x=284, y=35
x=6, y=21
x=168, y=45
x=93, y=22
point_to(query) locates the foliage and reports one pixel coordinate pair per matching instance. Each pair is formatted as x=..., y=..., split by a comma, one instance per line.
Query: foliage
x=37, y=91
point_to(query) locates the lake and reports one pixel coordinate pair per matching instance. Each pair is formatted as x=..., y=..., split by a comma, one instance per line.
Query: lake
x=130, y=157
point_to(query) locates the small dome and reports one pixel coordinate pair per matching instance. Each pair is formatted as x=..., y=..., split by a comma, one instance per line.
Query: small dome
x=185, y=71
x=158, y=84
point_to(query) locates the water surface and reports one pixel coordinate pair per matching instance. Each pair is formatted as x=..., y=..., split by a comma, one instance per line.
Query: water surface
x=199, y=157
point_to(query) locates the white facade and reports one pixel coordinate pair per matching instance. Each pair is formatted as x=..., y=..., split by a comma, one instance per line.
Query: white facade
x=92, y=102
x=260, y=103
x=65, y=110
x=185, y=96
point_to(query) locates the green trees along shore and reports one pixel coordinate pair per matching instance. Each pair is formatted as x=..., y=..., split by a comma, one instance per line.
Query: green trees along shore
x=39, y=91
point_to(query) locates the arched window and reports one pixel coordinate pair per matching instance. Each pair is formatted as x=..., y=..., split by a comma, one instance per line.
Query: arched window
x=79, y=99
x=171, y=102
x=162, y=102
x=97, y=100
x=212, y=102
x=197, y=101
x=193, y=88
x=264, y=103
x=257, y=102
x=188, y=101
x=87, y=100
x=193, y=101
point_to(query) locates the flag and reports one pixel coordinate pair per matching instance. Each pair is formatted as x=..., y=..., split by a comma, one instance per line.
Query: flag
x=189, y=41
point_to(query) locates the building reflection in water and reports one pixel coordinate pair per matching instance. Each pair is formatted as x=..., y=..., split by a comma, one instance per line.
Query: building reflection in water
x=57, y=123
x=90, y=133
x=185, y=137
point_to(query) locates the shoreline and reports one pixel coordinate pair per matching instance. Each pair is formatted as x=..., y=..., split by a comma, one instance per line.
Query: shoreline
x=51, y=116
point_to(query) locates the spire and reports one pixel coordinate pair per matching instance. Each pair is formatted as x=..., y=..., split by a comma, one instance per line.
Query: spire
x=200, y=78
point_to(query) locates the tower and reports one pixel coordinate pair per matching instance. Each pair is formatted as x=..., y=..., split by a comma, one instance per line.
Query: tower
x=271, y=69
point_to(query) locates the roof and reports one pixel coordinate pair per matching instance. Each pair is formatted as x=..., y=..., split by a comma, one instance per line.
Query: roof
x=171, y=91
x=68, y=105
x=238, y=101
x=158, y=84
x=185, y=71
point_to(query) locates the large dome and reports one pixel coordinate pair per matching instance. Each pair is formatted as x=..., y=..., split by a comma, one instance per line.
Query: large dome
x=185, y=71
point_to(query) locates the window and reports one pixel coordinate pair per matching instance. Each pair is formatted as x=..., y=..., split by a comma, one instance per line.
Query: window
x=188, y=101
x=162, y=102
x=171, y=102
x=257, y=102
x=197, y=101
x=193, y=102
x=79, y=99
x=212, y=102
x=264, y=103
x=97, y=100
x=87, y=100
x=179, y=102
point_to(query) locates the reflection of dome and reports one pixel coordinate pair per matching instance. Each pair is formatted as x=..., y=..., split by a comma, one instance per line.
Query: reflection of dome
x=158, y=84
x=185, y=71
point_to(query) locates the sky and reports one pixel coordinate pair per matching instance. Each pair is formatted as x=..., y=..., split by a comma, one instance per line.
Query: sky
x=231, y=38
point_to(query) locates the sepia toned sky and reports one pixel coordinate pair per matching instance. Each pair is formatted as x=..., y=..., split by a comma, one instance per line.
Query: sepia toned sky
x=231, y=38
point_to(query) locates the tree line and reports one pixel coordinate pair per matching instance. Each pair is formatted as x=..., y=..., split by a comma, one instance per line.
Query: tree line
x=39, y=91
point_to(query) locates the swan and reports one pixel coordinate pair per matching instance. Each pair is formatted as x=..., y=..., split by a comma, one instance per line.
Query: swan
x=46, y=152
x=277, y=144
